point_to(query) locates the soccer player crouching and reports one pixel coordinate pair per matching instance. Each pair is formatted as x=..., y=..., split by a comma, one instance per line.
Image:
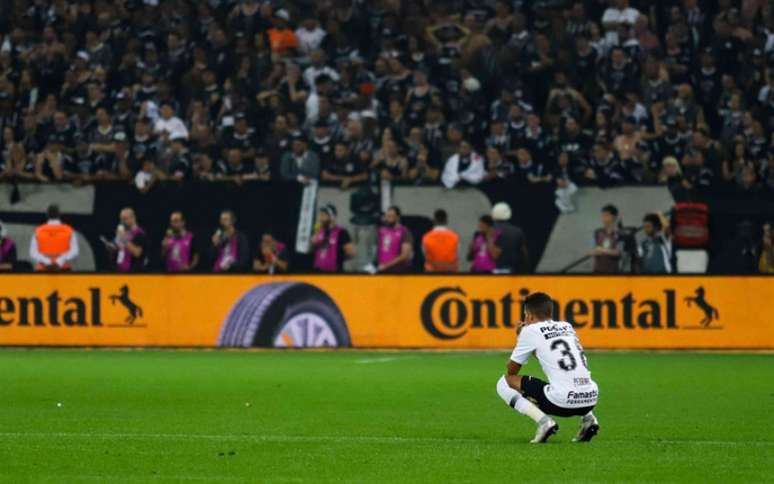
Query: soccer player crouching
x=570, y=391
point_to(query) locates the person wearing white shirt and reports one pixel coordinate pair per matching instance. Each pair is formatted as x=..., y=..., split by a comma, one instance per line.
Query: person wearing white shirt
x=318, y=68
x=170, y=125
x=618, y=13
x=54, y=244
x=465, y=165
x=310, y=36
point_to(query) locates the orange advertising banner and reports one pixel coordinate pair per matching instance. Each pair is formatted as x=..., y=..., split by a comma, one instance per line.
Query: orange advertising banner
x=379, y=311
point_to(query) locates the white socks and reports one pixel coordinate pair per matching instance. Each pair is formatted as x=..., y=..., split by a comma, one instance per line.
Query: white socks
x=516, y=400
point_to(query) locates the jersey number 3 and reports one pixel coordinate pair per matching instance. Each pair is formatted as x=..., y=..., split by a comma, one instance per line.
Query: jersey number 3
x=568, y=362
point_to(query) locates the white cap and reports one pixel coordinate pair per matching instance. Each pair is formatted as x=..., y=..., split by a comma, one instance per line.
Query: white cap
x=501, y=212
x=471, y=84
x=283, y=14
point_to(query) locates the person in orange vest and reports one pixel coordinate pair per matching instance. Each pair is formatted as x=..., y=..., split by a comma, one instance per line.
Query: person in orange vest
x=440, y=245
x=54, y=244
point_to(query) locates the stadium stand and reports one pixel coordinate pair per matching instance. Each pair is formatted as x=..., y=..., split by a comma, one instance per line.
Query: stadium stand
x=528, y=102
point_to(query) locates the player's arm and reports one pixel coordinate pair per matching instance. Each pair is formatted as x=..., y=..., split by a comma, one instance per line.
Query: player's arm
x=524, y=348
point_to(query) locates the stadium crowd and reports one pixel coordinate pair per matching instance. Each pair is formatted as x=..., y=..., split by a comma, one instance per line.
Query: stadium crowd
x=347, y=92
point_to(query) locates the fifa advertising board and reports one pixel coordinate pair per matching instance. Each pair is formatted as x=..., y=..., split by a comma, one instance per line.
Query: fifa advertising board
x=379, y=311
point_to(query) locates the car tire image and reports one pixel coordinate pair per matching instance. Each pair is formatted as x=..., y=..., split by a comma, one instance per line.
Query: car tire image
x=284, y=314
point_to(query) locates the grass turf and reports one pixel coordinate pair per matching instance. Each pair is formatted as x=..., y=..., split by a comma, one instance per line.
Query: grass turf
x=154, y=416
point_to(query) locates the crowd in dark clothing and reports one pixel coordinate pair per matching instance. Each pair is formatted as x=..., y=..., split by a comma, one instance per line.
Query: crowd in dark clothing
x=346, y=91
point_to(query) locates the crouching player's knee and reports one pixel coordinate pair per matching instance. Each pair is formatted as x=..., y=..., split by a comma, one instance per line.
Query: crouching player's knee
x=505, y=390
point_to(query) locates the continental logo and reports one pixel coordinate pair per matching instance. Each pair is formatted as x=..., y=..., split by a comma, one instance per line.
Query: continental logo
x=449, y=313
x=64, y=309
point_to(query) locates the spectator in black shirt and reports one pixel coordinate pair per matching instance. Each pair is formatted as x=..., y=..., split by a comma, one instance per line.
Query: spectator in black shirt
x=234, y=167
x=603, y=168
x=617, y=74
x=240, y=137
x=322, y=142
x=344, y=168
x=261, y=168
x=180, y=164
x=498, y=166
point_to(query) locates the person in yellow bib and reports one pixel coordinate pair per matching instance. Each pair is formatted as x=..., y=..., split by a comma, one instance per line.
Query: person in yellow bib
x=54, y=245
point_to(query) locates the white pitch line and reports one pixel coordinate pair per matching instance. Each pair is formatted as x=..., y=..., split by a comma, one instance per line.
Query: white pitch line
x=384, y=359
x=345, y=438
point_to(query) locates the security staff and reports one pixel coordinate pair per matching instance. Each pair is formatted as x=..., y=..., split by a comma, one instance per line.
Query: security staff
x=441, y=245
x=54, y=244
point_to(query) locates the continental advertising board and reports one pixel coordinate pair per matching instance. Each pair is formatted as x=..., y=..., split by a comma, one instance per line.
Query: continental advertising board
x=379, y=311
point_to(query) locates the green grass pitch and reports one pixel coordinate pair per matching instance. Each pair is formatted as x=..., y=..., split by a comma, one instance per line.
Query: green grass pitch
x=362, y=417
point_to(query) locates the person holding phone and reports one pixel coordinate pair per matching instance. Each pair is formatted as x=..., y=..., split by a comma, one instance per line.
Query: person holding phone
x=229, y=245
x=272, y=256
x=178, y=249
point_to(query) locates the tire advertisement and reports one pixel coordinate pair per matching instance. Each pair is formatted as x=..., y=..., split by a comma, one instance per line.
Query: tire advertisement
x=360, y=311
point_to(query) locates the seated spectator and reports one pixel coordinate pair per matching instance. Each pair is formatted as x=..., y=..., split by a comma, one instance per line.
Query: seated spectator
x=168, y=126
x=180, y=166
x=282, y=39
x=389, y=162
x=205, y=169
x=671, y=174
x=261, y=168
x=565, y=188
x=498, y=167
x=310, y=36
x=272, y=256
x=344, y=169
x=465, y=166
x=424, y=167
x=300, y=164
x=603, y=168
x=147, y=176
x=49, y=165
x=529, y=171
x=235, y=167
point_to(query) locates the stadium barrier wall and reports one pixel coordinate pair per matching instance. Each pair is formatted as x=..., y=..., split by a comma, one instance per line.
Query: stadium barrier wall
x=379, y=311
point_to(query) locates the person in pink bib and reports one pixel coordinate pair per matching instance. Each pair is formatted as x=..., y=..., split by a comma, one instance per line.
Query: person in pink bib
x=395, y=252
x=331, y=242
x=178, y=249
x=482, y=248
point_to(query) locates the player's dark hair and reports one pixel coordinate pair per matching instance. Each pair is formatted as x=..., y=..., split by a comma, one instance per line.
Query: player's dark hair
x=611, y=209
x=441, y=217
x=395, y=209
x=653, y=219
x=540, y=305
x=53, y=211
x=487, y=219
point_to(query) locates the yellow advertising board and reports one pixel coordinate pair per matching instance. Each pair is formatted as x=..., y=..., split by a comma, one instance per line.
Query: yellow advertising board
x=379, y=311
